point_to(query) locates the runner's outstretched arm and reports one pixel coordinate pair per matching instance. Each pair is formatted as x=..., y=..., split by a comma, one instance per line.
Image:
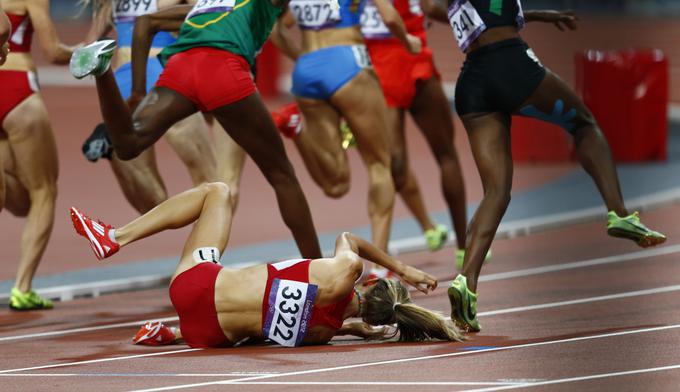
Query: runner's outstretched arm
x=349, y=245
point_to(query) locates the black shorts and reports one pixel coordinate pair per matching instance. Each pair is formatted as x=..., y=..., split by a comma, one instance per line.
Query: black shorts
x=498, y=78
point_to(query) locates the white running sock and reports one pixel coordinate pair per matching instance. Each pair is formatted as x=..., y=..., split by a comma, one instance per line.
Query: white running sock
x=112, y=235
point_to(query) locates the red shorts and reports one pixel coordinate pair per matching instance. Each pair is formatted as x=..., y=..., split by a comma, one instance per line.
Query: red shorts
x=208, y=77
x=16, y=86
x=399, y=71
x=193, y=295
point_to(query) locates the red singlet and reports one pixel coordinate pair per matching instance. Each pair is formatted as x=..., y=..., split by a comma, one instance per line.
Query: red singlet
x=22, y=33
x=397, y=69
x=193, y=295
x=330, y=316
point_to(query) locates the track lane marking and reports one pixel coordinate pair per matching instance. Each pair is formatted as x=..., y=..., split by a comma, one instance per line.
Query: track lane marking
x=574, y=379
x=55, y=365
x=244, y=381
x=233, y=374
x=670, y=249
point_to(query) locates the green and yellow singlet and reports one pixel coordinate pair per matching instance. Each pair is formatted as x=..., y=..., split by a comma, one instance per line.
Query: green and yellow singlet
x=238, y=26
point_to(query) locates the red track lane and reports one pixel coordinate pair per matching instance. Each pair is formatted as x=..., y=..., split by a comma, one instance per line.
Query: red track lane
x=558, y=342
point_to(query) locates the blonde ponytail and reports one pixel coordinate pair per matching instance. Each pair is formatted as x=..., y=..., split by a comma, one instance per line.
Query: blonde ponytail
x=388, y=302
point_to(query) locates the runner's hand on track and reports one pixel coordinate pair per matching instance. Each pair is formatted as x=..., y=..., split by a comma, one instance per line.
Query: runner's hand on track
x=415, y=45
x=420, y=280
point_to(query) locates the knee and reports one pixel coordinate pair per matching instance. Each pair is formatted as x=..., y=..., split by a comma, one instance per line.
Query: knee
x=499, y=196
x=336, y=190
x=217, y=189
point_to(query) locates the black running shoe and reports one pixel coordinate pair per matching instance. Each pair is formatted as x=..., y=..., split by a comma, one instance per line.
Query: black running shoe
x=98, y=145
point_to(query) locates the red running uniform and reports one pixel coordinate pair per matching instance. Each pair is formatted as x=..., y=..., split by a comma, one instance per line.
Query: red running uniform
x=17, y=85
x=397, y=69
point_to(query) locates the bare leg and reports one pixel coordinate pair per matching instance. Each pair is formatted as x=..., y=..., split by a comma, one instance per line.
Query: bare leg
x=177, y=211
x=591, y=146
x=489, y=136
x=404, y=179
x=230, y=161
x=362, y=104
x=250, y=125
x=190, y=138
x=432, y=113
x=132, y=134
x=320, y=146
x=140, y=180
x=33, y=147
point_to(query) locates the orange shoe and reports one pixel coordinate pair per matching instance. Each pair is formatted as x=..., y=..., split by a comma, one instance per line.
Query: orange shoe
x=155, y=333
x=288, y=120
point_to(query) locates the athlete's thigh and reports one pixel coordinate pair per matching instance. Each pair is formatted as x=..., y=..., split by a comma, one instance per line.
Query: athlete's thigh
x=322, y=124
x=160, y=109
x=230, y=157
x=489, y=136
x=556, y=102
x=249, y=123
x=32, y=143
x=363, y=106
x=431, y=112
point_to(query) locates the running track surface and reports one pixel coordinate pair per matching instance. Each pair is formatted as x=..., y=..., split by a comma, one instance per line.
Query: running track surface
x=568, y=309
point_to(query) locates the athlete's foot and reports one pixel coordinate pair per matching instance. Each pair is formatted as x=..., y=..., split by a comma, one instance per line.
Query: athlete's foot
x=348, y=139
x=463, y=305
x=155, y=333
x=98, y=145
x=93, y=59
x=288, y=120
x=97, y=233
x=435, y=238
x=631, y=228
x=28, y=301
x=460, y=258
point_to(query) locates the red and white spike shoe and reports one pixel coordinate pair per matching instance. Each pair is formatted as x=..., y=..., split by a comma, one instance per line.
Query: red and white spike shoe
x=288, y=120
x=97, y=233
x=155, y=333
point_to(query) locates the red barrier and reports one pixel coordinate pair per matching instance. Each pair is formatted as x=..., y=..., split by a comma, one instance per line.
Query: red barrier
x=539, y=141
x=627, y=91
x=267, y=71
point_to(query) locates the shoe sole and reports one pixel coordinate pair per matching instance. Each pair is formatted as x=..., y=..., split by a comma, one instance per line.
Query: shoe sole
x=84, y=61
x=98, y=251
x=442, y=240
x=454, y=298
x=644, y=241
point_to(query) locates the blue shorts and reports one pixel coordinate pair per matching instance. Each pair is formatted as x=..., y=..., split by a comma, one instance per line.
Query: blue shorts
x=319, y=74
x=123, y=76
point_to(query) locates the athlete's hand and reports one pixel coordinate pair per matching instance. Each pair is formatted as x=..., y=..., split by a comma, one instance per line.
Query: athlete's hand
x=562, y=19
x=4, y=51
x=415, y=45
x=134, y=101
x=420, y=280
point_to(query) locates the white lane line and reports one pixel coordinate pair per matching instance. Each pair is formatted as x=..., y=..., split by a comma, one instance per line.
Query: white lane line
x=84, y=329
x=643, y=254
x=574, y=379
x=382, y=383
x=234, y=374
x=628, y=294
x=56, y=365
x=670, y=249
x=413, y=359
